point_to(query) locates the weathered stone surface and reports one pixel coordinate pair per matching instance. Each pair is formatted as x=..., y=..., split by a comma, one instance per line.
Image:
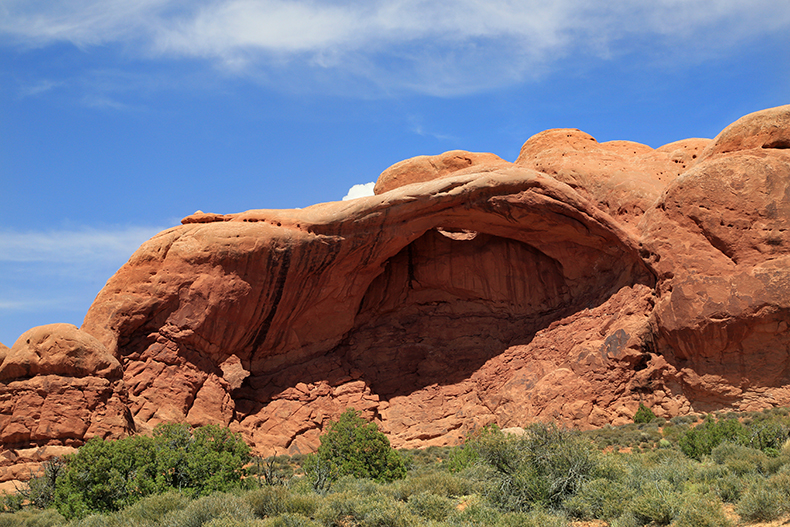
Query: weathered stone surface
x=427, y=168
x=767, y=129
x=573, y=284
x=719, y=241
x=623, y=178
x=58, y=349
x=59, y=388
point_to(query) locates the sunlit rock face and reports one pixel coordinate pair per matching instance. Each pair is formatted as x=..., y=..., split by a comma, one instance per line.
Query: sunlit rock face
x=572, y=284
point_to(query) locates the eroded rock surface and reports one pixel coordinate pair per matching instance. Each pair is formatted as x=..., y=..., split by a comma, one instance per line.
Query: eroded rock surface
x=59, y=387
x=572, y=284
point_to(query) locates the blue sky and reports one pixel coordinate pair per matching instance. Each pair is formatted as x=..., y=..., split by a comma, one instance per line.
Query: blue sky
x=120, y=117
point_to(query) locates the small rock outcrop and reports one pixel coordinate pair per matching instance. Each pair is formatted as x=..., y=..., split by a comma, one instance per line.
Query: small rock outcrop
x=58, y=387
x=572, y=284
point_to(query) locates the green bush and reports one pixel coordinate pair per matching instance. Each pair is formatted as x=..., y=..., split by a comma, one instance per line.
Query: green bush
x=643, y=414
x=105, y=476
x=742, y=460
x=351, y=446
x=534, y=518
x=702, y=439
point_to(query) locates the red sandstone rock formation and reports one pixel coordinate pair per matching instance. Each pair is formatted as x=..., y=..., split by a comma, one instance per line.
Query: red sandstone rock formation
x=572, y=284
x=59, y=386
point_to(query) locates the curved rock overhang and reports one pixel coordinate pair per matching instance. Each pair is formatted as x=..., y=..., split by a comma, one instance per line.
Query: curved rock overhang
x=488, y=258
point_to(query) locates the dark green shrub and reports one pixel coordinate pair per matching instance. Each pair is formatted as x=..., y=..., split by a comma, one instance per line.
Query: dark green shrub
x=702, y=439
x=11, y=502
x=767, y=435
x=351, y=446
x=644, y=414
x=105, y=476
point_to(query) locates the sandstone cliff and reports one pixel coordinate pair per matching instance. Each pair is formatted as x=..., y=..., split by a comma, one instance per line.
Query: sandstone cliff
x=572, y=284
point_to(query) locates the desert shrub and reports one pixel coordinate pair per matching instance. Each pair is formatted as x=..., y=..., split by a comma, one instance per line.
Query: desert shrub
x=430, y=506
x=700, y=511
x=599, y=499
x=273, y=501
x=11, y=502
x=761, y=502
x=272, y=470
x=351, y=446
x=657, y=503
x=728, y=488
x=643, y=414
x=543, y=466
x=474, y=513
x=438, y=483
x=767, y=434
x=228, y=521
x=32, y=518
x=290, y=520
x=702, y=439
x=741, y=459
x=344, y=508
x=105, y=476
x=152, y=509
x=267, y=501
x=40, y=490
x=207, y=508
x=534, y=518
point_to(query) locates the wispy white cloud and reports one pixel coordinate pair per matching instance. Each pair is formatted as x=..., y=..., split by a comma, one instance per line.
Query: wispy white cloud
x=437, y=46
x=360, y=191
x=83, y=246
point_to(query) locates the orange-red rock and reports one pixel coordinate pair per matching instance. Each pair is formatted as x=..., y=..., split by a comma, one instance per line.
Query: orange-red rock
x=427, y=168
x=59, y=387
x=573, y=284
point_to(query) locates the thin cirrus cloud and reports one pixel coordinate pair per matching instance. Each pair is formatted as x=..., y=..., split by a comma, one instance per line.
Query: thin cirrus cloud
x=436, y=46
x=78, y=248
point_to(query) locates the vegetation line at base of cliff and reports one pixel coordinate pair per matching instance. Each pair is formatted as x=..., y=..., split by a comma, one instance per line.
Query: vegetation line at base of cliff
x=717, y=470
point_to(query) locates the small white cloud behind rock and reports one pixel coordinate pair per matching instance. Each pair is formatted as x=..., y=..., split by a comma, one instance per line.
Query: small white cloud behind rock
x=360, y=191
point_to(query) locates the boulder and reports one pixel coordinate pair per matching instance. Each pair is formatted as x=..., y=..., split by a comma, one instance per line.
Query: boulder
x=427, y=168
x=59, y=388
